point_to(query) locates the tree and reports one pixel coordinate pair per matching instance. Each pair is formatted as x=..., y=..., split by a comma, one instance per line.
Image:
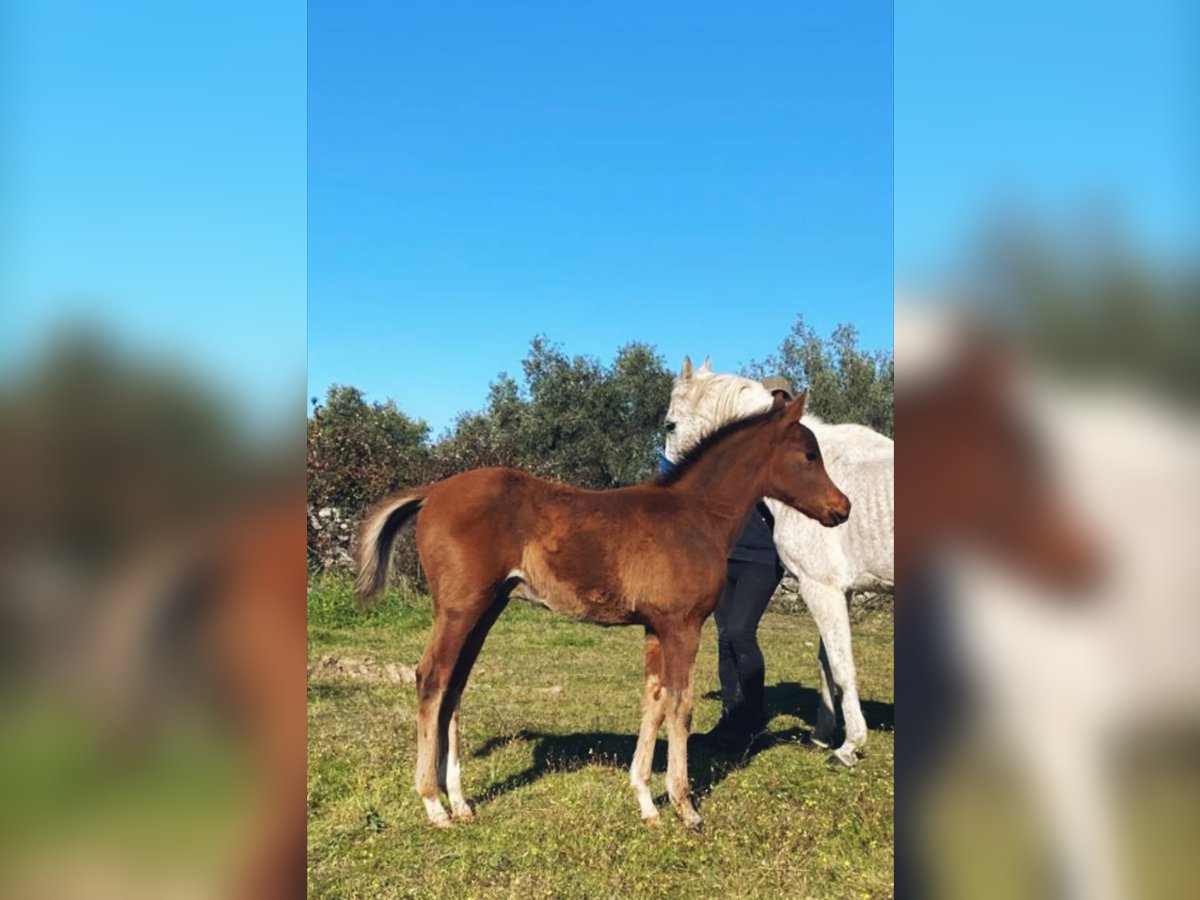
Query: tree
x=575, y=419
x=570, y=418
x=844, y=383
x=359, y=451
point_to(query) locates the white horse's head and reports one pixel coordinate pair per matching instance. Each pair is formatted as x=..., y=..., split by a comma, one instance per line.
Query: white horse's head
x=702, y=402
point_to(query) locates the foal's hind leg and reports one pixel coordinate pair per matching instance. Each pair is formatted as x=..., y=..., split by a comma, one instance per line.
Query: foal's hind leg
x=653, y=710
x=451, y=630
x=449, y=767
x=450, y=770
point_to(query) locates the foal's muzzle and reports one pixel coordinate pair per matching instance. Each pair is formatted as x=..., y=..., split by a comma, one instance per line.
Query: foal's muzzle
x=837, y=514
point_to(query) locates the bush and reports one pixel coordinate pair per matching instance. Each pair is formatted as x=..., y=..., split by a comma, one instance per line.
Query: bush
x=845, y=384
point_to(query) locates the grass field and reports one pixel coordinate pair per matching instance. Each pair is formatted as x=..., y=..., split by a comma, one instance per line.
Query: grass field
x=549, y=726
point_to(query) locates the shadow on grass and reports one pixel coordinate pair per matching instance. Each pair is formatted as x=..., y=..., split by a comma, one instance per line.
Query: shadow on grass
x=707, y=765
x=570, y=752
x=789, y=698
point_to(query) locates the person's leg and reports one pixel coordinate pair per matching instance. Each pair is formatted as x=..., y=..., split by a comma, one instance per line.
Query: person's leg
x=727, y=671
x=755, y=584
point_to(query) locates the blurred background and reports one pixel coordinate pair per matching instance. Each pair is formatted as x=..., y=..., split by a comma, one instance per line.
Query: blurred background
x=152, y=398
x=152, y=373
x=1047, y=325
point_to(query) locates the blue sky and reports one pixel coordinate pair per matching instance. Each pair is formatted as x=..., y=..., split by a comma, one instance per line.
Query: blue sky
x=692, y=175
x=1050, y=108
x=154, y=186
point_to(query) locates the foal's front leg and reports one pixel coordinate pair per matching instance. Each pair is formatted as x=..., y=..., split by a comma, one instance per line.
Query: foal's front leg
x=679, y=657
x=653, y=710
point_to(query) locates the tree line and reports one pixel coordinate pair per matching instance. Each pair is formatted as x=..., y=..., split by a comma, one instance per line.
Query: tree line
x=571, y=418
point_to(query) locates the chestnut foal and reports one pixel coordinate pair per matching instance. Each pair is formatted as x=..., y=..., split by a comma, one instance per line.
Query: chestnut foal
x=650, y=555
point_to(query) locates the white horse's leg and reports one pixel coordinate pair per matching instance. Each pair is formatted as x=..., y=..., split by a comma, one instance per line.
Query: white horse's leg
x=832, y=615
x=826, y=727
x=1072, y=788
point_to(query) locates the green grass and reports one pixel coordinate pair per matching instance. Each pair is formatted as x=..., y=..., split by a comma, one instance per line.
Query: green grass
x=549, y=725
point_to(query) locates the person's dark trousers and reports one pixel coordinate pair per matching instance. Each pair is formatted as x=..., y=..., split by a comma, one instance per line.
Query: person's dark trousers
x=748, y=590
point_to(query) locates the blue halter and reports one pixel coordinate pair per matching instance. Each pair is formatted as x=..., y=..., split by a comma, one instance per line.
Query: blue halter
x=665, y=466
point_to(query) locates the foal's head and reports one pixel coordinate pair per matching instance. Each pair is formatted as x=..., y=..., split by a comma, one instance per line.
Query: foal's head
x=794, y=472
x=974, y=460
x=703, y=404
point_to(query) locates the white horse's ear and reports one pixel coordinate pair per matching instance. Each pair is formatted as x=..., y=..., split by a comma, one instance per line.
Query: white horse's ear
x=685, y=371
x=706, y=366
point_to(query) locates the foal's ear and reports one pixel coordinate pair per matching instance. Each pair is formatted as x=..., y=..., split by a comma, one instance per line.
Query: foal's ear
x=795, y=408
x=685, y=371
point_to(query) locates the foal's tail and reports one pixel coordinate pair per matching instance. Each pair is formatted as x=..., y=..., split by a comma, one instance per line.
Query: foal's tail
x=377, y=534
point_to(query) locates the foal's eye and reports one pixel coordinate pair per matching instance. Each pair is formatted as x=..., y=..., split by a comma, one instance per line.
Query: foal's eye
x=670, y=427
x=812, y=455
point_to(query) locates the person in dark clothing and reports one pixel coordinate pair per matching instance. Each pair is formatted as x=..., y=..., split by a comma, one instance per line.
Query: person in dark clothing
x=753, y=574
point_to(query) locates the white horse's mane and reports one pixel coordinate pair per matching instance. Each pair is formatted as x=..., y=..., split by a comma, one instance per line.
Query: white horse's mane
x=728, y=390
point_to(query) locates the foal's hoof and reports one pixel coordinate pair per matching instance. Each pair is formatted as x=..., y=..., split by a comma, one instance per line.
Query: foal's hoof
x=690, y=817
x=651, y=821
x=463, y=814
x=436, y=812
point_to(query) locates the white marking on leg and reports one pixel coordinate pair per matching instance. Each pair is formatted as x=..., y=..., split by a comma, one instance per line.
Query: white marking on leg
x=436, y=812
x=458, y=804
x=679, y=716
x=643, y=757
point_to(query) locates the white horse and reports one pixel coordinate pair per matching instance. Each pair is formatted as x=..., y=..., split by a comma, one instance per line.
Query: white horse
x=828, y=562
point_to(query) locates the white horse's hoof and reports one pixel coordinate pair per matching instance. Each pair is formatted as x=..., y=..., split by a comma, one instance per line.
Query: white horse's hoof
x=844, y=755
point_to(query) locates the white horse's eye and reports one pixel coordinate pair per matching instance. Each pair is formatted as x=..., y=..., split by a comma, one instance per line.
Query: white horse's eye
x=670, y=427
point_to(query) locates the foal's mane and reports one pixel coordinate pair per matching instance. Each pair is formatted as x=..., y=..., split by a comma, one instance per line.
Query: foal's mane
x=689, y=459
